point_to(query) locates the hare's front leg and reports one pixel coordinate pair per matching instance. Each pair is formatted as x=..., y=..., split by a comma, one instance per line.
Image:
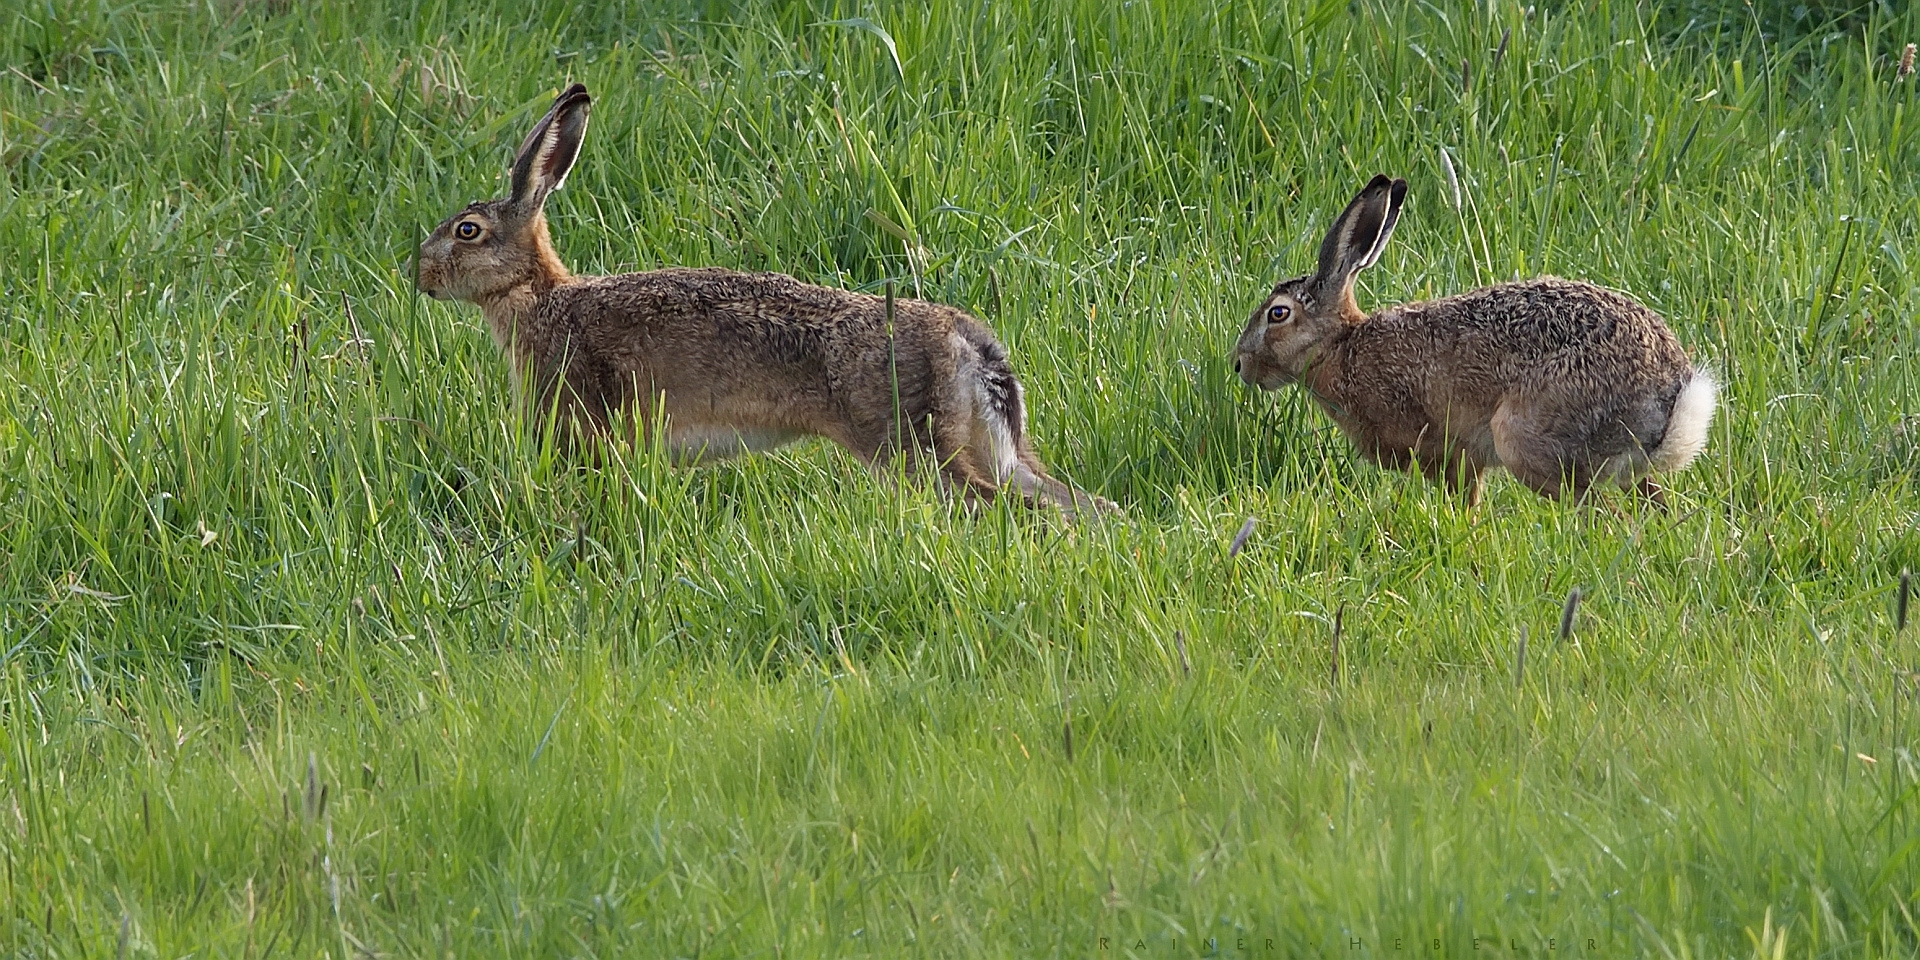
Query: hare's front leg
x=1441, y=458
x=1466, y=476
x=1457, y=470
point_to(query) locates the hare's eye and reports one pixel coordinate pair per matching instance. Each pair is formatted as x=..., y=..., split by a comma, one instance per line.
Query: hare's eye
x=1278, y=313
x=467, y=230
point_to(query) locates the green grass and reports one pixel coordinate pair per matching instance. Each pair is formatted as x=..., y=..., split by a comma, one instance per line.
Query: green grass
x=310, y=650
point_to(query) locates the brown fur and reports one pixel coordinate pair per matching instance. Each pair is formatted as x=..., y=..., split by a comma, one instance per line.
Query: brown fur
x=735, y=361
x=1561, y=382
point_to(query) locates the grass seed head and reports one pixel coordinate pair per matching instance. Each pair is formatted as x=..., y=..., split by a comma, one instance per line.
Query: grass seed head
x=1568, y=612
x=1900, y=605
x=1240, y=539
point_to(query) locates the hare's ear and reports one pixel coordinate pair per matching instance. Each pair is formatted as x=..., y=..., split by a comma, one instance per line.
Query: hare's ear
x=1361, y=233
x=549, y=151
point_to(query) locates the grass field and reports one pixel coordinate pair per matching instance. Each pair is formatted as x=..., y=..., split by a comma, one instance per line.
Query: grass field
x=309, y=650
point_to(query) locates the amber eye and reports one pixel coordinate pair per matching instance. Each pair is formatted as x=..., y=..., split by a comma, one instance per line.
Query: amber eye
x=467, y=230
x=1278, y=312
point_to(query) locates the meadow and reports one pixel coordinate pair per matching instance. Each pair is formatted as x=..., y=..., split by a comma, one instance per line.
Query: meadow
x=309, y=648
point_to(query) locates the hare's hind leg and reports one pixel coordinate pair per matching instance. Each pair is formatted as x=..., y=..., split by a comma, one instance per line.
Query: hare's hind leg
x=962, y=467
x=991, y=445
x=999, y=444
x=1534, y=456
x=1652, y=492
x=942, y=435
x=939, y=447
x=981, y=430
x=1632, y=471
x=1551, y=464
x=1032, y=477
x=983, y=414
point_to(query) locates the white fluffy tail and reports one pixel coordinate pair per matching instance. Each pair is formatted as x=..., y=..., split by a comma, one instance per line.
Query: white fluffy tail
x=1687, y=424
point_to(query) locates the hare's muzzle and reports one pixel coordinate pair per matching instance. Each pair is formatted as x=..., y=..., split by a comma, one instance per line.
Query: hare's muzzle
x=1247, y=368
x=425, y=279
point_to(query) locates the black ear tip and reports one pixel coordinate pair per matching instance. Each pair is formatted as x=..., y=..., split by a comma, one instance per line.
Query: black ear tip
x=1380, y=181
x=1399, y=190
x=576, y=92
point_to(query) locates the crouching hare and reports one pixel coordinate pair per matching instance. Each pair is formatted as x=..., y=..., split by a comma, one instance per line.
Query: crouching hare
x=734, y=361
x=1563, y=383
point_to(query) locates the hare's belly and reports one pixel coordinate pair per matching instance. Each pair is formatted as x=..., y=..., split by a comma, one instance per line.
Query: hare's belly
x=697, y=442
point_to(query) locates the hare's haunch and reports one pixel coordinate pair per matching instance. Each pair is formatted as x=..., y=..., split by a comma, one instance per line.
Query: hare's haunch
x=1563, y=383
x=728, y=362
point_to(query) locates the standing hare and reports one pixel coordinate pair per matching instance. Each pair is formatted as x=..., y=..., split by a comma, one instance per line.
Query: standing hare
x=1563, y=383
x=727, y=362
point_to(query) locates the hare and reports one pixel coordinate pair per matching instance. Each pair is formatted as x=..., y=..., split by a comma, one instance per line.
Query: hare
x=1563, y=383
x=727, y=362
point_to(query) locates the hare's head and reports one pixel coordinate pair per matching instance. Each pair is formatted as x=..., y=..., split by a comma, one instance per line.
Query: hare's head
x=494, y=246
x=1285, y=335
